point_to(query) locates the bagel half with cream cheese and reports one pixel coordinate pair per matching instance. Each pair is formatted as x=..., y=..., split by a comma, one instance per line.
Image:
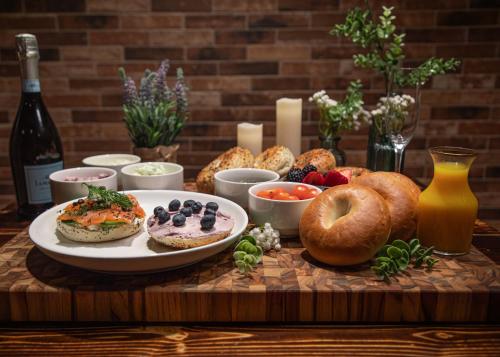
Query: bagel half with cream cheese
x=98, y=233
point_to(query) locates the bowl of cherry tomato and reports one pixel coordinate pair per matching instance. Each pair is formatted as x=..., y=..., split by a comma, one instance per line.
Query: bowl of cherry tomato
x=281, y=204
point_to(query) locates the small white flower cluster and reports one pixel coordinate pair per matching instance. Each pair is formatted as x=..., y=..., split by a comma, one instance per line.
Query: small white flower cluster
x=322, y=99
x=396, y=103
x=267, y=238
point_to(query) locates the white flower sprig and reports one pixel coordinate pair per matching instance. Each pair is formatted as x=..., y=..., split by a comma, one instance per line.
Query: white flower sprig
x=335, y=116
x=391, y=112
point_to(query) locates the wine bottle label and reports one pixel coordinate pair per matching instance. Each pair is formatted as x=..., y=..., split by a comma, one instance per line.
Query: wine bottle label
x=37, y=181
x=31, y=85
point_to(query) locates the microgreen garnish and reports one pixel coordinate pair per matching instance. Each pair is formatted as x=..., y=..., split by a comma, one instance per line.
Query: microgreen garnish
x=395, y=258
x=247, y=254
x=104, y=198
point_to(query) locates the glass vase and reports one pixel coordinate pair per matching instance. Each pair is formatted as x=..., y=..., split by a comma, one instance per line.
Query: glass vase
x=331, y=143
x=447, y=208
x=380, y=154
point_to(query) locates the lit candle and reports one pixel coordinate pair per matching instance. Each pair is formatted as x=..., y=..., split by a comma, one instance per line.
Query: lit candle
x=289, y=124
x=250, y=137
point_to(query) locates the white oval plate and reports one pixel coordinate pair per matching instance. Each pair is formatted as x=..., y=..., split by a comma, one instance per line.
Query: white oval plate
x=137, y=253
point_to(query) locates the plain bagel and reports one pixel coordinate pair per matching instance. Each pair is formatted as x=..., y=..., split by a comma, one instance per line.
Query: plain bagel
x=231, y=159
x=321, y=158
x=345, y=225
x=277, y=158
x=401, y=195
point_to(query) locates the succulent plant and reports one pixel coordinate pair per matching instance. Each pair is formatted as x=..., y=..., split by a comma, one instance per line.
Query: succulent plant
x=154, y=115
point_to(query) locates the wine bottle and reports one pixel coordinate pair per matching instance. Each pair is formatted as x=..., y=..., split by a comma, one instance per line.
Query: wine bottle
x=35, y=146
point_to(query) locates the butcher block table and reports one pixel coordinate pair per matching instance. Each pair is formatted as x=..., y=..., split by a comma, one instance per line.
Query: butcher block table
x=290, y=305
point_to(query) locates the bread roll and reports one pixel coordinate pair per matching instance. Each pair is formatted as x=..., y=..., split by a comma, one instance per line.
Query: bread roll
x=322, y=159
x=231, y=159
x=277, y=158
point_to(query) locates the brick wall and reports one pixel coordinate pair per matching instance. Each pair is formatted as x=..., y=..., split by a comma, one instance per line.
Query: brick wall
x=241, y=55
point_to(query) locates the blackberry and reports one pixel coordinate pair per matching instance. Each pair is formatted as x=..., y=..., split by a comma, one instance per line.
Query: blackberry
x=295, y=175
x=174, y=205
x=179, y=220
x=187, y=211
x=207, y=221
x=212, y=205
x=308, y=168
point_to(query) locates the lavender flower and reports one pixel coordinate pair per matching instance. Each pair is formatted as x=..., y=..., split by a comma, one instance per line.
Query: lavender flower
x=129, y=92
x=180, y=94
x=162, y=90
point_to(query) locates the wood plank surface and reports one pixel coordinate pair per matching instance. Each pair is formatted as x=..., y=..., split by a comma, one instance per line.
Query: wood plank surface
x=251, y=341
x=289, y=286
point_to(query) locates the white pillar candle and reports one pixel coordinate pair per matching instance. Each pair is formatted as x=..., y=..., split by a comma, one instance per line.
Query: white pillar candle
x=289, y=124
x=250, y=137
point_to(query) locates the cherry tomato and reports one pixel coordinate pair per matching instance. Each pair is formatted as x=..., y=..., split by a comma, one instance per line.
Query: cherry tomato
x=300, y=191
x=311, y=193
x=264, y=194
x=284, y=196
x=293, y=198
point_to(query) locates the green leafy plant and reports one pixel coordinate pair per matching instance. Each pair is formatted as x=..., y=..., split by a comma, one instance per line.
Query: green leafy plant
x=336, y=117
x=384, y=48
x=247, y=254
x=104, y=198
x=396, y=257
x=154, y=114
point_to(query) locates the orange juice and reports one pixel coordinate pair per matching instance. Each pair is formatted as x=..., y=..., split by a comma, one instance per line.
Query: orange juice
x=447, y=209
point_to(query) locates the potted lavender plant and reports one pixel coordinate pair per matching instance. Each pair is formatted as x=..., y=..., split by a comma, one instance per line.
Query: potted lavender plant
x=154, y=114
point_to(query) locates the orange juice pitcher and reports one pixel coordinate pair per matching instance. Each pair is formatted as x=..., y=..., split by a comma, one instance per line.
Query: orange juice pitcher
x=447, y=208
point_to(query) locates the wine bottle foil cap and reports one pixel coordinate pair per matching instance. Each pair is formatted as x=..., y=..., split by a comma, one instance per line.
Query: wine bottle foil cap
x=27, y=46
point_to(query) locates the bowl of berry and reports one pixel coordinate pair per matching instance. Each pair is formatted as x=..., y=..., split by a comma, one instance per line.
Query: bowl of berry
x=310, y=175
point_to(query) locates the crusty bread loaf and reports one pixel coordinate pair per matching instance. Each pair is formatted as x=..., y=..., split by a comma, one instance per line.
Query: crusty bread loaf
x=233, y=158
x=79, y=233
x=321, y=158
x=277, y=158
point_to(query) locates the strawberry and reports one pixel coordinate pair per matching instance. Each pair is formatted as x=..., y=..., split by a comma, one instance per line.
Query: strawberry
x=314, y=178
x=347, y=173
x=334, y=178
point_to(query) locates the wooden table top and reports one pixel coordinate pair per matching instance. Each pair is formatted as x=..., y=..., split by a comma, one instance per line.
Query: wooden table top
x=244, y=339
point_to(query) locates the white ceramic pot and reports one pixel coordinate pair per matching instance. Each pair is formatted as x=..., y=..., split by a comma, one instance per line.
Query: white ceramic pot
x=112, y=161
x=173, y=180
x=63, y=190
x=283, y=215
x=233, y=184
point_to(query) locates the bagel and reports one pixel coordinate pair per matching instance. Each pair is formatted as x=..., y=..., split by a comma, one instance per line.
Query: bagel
x=353, y=171
x=231, y=159
x=401, y=195
x=277, y=158
x=96, y=234
x=345, y=225
x=322, y=159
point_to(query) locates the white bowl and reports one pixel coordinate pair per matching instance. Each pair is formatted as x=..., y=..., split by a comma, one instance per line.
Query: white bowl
x=233, y=184
x=112, y=161
x=283, y=215
x=170, y=181
x=63, y=191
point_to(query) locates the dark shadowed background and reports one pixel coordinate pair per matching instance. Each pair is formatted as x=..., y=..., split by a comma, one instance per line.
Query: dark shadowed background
x=239, y=56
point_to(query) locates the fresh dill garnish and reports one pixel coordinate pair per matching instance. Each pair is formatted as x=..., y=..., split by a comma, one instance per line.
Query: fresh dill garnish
x=103, y=198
